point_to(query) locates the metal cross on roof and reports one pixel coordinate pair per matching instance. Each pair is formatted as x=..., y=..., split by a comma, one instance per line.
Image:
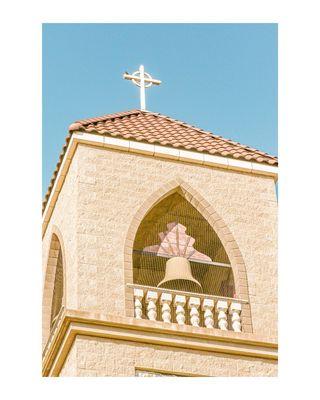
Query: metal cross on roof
x=143, y=80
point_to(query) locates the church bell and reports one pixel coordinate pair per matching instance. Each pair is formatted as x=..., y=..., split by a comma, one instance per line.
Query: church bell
x=178, y=276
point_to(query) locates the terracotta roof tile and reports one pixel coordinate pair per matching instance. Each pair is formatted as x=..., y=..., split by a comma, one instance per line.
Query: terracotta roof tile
x=159, y=129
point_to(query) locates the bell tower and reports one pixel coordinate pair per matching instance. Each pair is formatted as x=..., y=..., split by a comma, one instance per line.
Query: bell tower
x=159, y=251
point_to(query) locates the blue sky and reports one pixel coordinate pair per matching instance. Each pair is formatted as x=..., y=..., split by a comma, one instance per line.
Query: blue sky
x=219, y=77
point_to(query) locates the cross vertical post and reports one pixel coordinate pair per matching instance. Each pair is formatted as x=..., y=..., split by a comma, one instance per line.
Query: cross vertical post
x=142, y=89
x=143, y=80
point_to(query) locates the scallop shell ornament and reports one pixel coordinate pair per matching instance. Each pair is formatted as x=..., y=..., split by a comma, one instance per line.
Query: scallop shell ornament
x=176, y=243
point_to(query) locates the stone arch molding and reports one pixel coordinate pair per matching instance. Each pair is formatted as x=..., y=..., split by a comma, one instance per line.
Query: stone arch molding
x=56, y=246
x=214, y=219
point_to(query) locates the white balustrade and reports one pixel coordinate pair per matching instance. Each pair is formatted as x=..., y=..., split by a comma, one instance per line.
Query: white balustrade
x=138, y=296
x=179, y=302
x=165, y=300
x=193, y=305
x=235, y=311
x=146, y=298
x=222, y=308
x=151, y=300
x=207, y=306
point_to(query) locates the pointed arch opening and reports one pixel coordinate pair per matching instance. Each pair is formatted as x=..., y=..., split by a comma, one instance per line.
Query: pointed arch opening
x=223, y=246
x=54, y=286
x=175, y=228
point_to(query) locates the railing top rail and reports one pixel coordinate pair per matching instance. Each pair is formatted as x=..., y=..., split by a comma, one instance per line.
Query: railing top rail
x=188, y=294
x=214, y=263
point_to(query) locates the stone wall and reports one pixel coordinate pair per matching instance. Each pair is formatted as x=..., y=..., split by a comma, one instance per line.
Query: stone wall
x=102, y=193
x=113, y=185
x=108, y=357
x=62, y=225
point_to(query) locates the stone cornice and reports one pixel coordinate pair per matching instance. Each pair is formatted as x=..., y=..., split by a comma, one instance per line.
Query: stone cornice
x=150, y=150
x=72, y=323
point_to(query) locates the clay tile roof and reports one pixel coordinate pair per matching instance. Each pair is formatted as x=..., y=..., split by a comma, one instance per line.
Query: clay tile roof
x=155, y=128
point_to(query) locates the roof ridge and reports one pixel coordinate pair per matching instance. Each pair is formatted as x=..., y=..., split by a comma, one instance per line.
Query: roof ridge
x=79, y=123
x=75, y=125
x=160, y=131
x=185, y=124
x=224, y=139
x=246, y=147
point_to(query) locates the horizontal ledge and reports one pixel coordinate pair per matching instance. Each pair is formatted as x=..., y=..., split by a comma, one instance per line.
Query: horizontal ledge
x=172, y=340
x=195, y=157
x=169, y=372
x=188, y=294
x=92, y=324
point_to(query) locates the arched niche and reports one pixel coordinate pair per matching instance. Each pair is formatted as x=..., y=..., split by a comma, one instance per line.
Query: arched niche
x=54, y=285
x=229, y=248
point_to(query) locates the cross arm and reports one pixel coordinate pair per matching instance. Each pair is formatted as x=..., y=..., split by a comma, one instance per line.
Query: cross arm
x=132, y=77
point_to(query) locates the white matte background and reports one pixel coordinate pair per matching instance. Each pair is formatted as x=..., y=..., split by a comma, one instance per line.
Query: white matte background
x=299, y=144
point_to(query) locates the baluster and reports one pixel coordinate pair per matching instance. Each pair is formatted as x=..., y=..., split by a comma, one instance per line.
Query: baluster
x=193, y=305
x=179, y=302
x=151, y=300
x=222, y=307
x=166, y=299
x=235, y=311
x=138, y=296
x=207, y=307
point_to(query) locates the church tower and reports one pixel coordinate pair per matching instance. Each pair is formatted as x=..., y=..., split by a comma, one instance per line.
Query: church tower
x=159, y=252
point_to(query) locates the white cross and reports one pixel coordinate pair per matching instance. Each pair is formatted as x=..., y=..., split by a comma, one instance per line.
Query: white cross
x=143, y=80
